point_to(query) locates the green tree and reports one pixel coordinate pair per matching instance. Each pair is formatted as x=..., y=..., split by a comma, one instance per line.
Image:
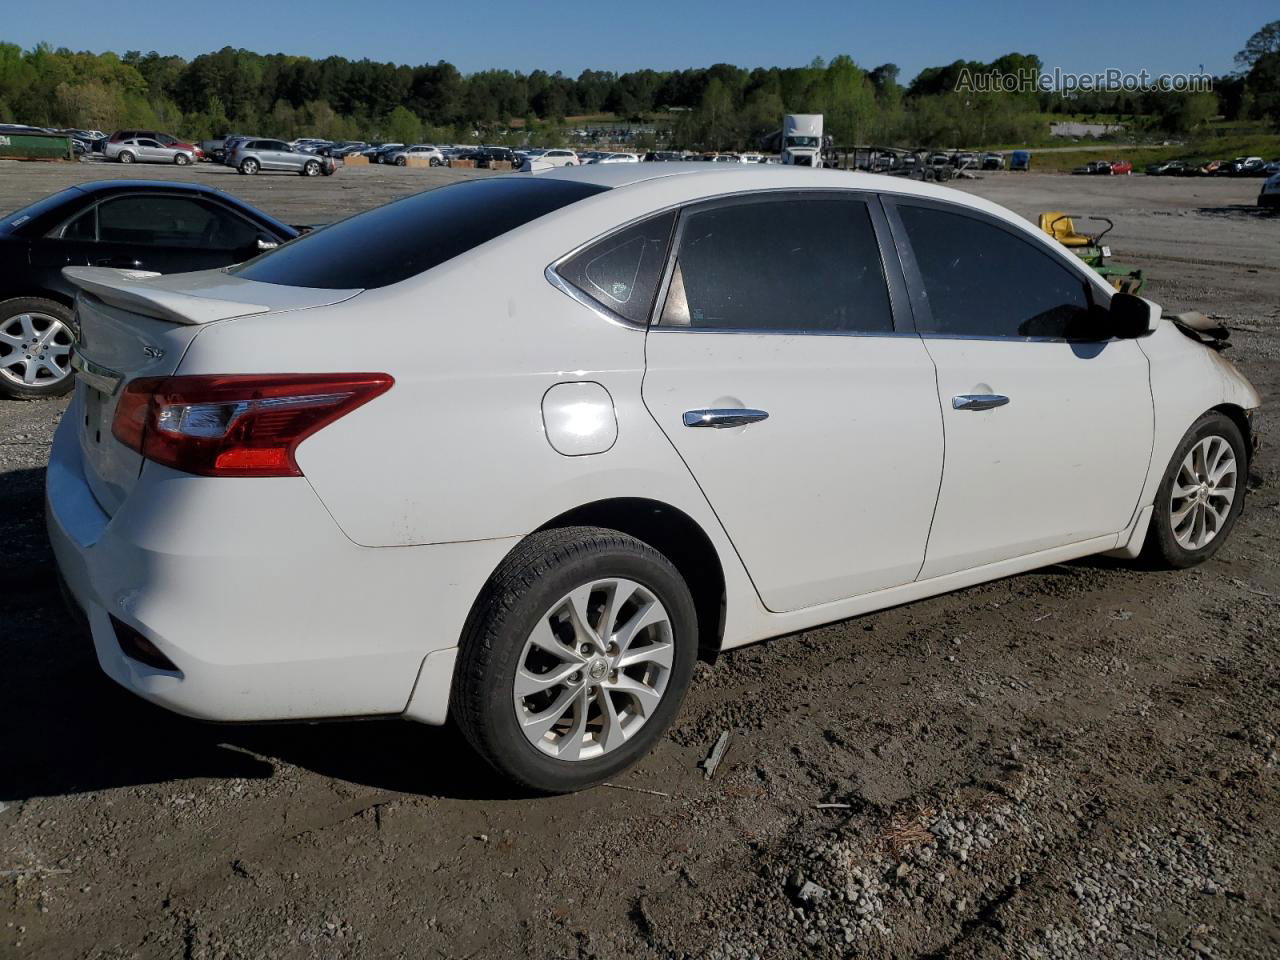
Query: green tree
x=403, y=127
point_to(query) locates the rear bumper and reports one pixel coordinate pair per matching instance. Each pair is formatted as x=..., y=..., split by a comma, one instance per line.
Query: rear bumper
x=250, y=589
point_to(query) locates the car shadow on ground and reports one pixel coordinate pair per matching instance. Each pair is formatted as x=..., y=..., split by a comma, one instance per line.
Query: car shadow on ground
x=69, y=729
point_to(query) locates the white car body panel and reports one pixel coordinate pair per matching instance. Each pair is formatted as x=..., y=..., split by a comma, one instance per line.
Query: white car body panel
x=348, y=588
x=1048, y=468
x=855, y=519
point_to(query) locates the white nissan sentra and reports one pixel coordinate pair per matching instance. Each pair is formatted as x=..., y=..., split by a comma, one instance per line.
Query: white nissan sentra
x=519, y=450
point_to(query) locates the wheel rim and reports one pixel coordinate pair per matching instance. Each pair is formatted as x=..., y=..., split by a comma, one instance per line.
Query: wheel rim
x=126, y=158
x=594, y=670
x=35, y=349
x=1204, y=492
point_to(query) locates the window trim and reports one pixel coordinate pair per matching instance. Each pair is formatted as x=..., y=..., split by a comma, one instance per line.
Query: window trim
x=56, y=233
x=900, y=306
x=921, y=312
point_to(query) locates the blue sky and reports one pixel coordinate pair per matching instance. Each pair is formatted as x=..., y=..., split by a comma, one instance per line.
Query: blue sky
x=1160, y=36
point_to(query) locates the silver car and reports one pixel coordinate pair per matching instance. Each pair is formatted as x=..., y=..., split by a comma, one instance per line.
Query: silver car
x=252, y=156
x=146, y=150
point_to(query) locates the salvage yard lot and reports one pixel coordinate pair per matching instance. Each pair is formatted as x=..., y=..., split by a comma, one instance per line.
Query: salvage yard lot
x=1079, y=761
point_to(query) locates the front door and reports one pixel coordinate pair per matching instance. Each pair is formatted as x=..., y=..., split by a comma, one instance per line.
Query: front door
x=1048, y=429
x=810, y=422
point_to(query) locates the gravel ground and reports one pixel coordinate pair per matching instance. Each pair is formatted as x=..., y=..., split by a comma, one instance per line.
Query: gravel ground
x=1075, y=762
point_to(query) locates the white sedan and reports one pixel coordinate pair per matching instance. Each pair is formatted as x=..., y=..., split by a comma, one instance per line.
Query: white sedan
x=601, y=422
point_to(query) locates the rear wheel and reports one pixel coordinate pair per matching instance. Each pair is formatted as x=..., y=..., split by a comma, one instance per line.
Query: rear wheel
x=126, y=157
x=1201, y=495
x=35, y=348
x=311, y=168
x=575, y=659
x=249, y=167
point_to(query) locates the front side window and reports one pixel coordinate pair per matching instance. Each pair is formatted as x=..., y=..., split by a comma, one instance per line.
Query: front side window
x=982, y=280
x=622, y=271
x=802, y=264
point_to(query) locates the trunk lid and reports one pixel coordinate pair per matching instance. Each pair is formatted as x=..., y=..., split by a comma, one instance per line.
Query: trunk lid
x=133, y=324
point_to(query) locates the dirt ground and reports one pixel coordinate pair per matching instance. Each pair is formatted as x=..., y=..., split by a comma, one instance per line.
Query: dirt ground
x=1075, y=762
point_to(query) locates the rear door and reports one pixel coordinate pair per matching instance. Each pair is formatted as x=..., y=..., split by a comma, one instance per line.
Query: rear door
x=1048, y=429
x=809, y=419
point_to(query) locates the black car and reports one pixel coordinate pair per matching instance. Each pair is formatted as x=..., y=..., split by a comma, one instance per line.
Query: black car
x=136, y=224
x=488, y=156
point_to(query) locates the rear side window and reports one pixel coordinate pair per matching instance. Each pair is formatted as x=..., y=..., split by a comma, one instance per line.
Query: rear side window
x=407, y=237
x=981, y=280
x=803, y=264
x=622, y=271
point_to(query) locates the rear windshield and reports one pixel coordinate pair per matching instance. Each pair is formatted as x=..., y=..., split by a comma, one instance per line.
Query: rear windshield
x=404, y=238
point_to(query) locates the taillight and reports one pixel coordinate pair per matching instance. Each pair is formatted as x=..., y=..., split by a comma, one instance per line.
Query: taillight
x=236, y=426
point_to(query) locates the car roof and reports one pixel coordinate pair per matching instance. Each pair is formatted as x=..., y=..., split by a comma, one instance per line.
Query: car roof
x=96, y=187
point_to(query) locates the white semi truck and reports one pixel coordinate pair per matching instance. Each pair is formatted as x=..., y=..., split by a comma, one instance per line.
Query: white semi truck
x=802, y=139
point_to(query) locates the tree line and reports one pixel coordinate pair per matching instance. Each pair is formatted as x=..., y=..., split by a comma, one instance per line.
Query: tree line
x=717, y=107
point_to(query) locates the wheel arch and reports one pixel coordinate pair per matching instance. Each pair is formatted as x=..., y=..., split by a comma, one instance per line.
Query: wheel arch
x=679, y=538
x=1240, y=417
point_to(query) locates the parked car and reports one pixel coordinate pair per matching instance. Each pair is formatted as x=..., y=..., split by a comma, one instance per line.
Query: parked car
x=254, y=156
x=1020, y=160
x=147, y=150
x=380, y=152
x=663, y=156
x=1169, y=168
x=617, y=158
x=136, y=224
x=486, y=157
x=965, y=161
x=1269, y=196
x=431, y=153
x=993, y=161
x=560, y=158
x=553, y=588
x=165, y=140
x=1243, y=167
x=1120, y=168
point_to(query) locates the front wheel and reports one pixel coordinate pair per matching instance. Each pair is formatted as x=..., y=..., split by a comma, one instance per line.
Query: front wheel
x=401, y=161
x=35, y=348
x=311, y=168
x=575, y=659
x=1201, y=495
x=249, y=167
x=181, y=159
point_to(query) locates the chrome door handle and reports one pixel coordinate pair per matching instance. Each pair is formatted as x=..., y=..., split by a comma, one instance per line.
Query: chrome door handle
x=978, y=401
x=721, y=418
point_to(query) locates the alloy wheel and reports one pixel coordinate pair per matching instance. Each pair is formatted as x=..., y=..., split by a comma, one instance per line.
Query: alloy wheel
x=35, y=349
x=594, y=669
x=1203, y=493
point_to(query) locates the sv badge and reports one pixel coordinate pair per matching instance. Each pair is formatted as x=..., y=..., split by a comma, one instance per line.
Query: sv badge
x=155, y=353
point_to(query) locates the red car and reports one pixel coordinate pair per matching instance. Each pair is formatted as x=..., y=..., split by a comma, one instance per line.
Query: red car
x=1121, y=166
x=166, y=139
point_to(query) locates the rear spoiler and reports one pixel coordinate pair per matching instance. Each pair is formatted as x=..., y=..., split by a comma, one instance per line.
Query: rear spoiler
x=130, y=290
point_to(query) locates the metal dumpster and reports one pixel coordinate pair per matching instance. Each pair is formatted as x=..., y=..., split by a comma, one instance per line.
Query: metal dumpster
x=35, y=146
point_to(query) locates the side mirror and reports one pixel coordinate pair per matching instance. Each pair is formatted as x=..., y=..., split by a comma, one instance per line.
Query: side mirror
x=1131, y=317
x=267, y=243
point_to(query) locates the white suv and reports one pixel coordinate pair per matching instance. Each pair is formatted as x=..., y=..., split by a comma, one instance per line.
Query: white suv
x=530, y=496
x=560, y=158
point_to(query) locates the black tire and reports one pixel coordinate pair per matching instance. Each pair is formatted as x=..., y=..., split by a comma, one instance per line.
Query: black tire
x=47, y=385
x=311, y=168
x=401, y=162
x=541, y=570
x=181, y=159
x=249, y=166
x=124, y=156
x=1162, y=547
